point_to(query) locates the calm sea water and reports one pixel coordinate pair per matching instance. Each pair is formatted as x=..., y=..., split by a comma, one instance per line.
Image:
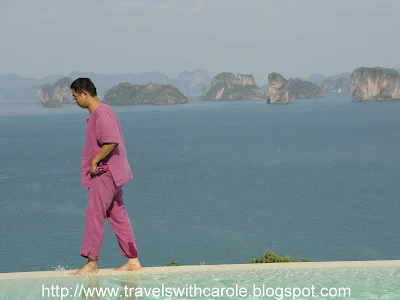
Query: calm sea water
x=215, y=182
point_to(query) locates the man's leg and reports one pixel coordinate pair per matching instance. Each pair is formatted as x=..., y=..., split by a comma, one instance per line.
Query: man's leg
x=99, y=198
x=120, y=223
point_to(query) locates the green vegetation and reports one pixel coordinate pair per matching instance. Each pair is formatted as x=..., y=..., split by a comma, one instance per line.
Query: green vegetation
x=225, y=76
x=271, y=257
x=303, y=89
x=244, y=92
x=376, y=72
x=226, y=86
x=127, y=93
x=212, y=93
x=235, y=92
x=276, y=77
x=371, y=84
x=296, y=87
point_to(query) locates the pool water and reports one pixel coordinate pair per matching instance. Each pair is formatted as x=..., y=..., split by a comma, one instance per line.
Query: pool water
x=210, y=283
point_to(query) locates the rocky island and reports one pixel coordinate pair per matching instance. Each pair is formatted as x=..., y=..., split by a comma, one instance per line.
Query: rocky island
x=55, y=95
x=278, y=89
x=283, y=91
x=369, y=84
x=127, y=93
x=226, y=86
x=336, y=85
x=191, y=83
x=304, y=89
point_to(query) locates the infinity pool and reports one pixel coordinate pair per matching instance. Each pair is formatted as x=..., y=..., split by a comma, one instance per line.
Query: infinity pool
x=339, y=280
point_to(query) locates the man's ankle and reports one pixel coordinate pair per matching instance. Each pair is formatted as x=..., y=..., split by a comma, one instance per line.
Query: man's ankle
x=133, y=260
x=92, y=261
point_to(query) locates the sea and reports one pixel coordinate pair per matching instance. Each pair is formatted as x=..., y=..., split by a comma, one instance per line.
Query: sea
x=215, y=182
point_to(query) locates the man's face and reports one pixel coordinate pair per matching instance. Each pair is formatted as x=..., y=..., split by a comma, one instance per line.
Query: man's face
x=80, y=98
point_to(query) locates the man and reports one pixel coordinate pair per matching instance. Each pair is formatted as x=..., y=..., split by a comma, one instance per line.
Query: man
x=104, y=171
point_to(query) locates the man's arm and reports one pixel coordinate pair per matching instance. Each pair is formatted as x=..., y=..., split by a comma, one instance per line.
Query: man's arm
x=104, y=151
x=107, y=136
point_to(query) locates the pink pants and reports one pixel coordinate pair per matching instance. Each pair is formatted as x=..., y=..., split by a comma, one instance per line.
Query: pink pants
x=105, y=201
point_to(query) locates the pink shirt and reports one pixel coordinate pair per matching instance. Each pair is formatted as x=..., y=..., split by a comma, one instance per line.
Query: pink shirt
x=103, y=127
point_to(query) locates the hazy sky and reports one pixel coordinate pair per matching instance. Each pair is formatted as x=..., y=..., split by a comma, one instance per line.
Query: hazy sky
x=294, y=38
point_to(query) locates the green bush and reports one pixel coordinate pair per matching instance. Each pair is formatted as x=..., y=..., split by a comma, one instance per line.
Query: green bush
x=271, y=257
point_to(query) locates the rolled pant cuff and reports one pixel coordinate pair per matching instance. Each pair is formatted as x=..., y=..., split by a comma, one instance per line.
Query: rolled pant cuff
x=90, y=255
x=130, y=256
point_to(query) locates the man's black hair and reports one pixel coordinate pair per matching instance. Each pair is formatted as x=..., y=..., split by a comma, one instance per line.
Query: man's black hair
x=84, y=84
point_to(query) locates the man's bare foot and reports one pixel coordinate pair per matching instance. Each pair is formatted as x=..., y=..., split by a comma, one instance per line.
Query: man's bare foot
x=133, y=264
x=89, y=268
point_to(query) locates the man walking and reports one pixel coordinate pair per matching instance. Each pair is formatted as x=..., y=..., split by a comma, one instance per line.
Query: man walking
x=104, y=171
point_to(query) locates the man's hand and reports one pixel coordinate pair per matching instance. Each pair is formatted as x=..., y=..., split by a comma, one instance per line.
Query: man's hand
x=92, y=169
x=104, y=151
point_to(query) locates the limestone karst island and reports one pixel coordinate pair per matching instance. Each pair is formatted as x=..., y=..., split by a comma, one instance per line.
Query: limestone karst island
x=364, y=84
x=370, y=84
x=283, y=91
x=55, y=95
x=127, y=93
x=226, y=86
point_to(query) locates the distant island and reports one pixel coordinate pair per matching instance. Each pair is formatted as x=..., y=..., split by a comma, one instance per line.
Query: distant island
x=15, y=87
x=283, y=91
x=278, y=89
x=190, y=83
x=127, y=93
x=369, y=84
x=304, y=89
x=226, y=86
x=55, y=95
x=335, y=84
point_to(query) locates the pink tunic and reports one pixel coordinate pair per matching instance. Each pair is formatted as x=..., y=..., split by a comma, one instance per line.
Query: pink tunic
x=103, y=127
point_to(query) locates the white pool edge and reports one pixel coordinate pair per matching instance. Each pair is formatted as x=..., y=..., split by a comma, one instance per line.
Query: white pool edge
x=222, y=267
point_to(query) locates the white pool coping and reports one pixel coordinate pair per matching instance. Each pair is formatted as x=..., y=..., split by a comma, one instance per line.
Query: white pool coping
x=222, y=267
